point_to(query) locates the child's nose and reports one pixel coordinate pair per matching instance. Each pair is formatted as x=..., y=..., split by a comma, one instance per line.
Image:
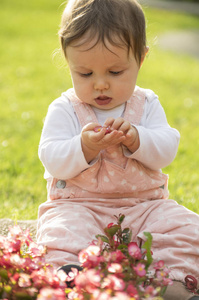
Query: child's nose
x=101, y=84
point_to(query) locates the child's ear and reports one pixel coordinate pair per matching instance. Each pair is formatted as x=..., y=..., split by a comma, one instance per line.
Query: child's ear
x=144, y=55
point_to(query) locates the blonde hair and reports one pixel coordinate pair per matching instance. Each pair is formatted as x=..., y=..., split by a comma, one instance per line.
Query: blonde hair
x=105, y=20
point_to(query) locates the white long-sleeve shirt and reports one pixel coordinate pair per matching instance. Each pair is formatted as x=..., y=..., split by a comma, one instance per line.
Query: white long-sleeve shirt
x=60, y=146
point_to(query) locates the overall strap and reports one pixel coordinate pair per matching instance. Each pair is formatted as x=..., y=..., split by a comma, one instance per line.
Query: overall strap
x=133, y=112
x=84, y=112
x=135, y=106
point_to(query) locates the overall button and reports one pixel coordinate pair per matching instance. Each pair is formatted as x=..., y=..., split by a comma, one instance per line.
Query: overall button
x=61, y=184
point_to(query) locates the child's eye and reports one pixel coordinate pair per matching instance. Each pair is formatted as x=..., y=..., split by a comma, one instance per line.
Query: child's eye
x=115, y=73
x=86, y=74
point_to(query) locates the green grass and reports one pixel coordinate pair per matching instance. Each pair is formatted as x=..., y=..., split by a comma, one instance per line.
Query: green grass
x=30, y=79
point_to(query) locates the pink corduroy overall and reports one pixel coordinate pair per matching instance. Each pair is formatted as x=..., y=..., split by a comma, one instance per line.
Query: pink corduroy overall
x=79, y=208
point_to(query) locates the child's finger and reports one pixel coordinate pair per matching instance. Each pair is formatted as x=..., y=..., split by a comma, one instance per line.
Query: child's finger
x=113, y=136
x=117, y=123
x=109, y=122
x=125, y=127
x=90, y=126
x=117, y=139
x=132, y=132
x=96, y=134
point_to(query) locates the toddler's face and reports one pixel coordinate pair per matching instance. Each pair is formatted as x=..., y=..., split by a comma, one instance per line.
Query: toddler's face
x=102, y=77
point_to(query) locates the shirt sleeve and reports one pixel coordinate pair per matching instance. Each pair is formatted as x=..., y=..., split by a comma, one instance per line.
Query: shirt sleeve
x=60, y=148
x=158, y=141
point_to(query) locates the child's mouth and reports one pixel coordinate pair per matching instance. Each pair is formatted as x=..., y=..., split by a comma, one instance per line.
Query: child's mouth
x=103, y=100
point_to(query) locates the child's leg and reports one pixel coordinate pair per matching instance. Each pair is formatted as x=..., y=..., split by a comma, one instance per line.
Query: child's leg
x=175, y=232
x=66, y=229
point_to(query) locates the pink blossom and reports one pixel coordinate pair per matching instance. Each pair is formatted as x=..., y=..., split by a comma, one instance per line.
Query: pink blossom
x=2, y=242
x=32, y=291
x=159, y=264
x=83, y=256
x=162, y=276
x=35, y=263
x=5, y=261
x=38, y=279
x=72, y=295
x=14, y=246
x=121, y=296
x=45, y=277
x=51, y=294
x=14, y=278
x=116, y=241
x=15, y=232
x=24, y=269
x=27, y=237
x=92, y=261
x=101, y=295
x=98, y=129
x=81, y=280
x=118, y=284
x=93, y=250
x=110, y=225
x=89, y=258
x=113, y=282
x=117, y=256
x=36, y=250
x=62, y=275
x=140, y=269
x=16, y=260
x=71, y=275
x=109, y=273
x=94, y=242
x=134, y=250
x=131, y=290
x=93, y=277
x=150, y=290
x=115, y=268
x=167, y=281
x=24, y=280
x=88, y=280
x=50, y=275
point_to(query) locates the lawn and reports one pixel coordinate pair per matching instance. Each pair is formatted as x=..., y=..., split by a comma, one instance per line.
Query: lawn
x=33, y=74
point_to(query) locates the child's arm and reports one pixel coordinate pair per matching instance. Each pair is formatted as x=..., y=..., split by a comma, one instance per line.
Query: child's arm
x=153, y=142
x=158, y=141
x=60, y=148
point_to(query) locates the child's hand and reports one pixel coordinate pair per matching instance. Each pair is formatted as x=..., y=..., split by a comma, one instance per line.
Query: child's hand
x=93, y=142
x=99, y=128
x=131, y=140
